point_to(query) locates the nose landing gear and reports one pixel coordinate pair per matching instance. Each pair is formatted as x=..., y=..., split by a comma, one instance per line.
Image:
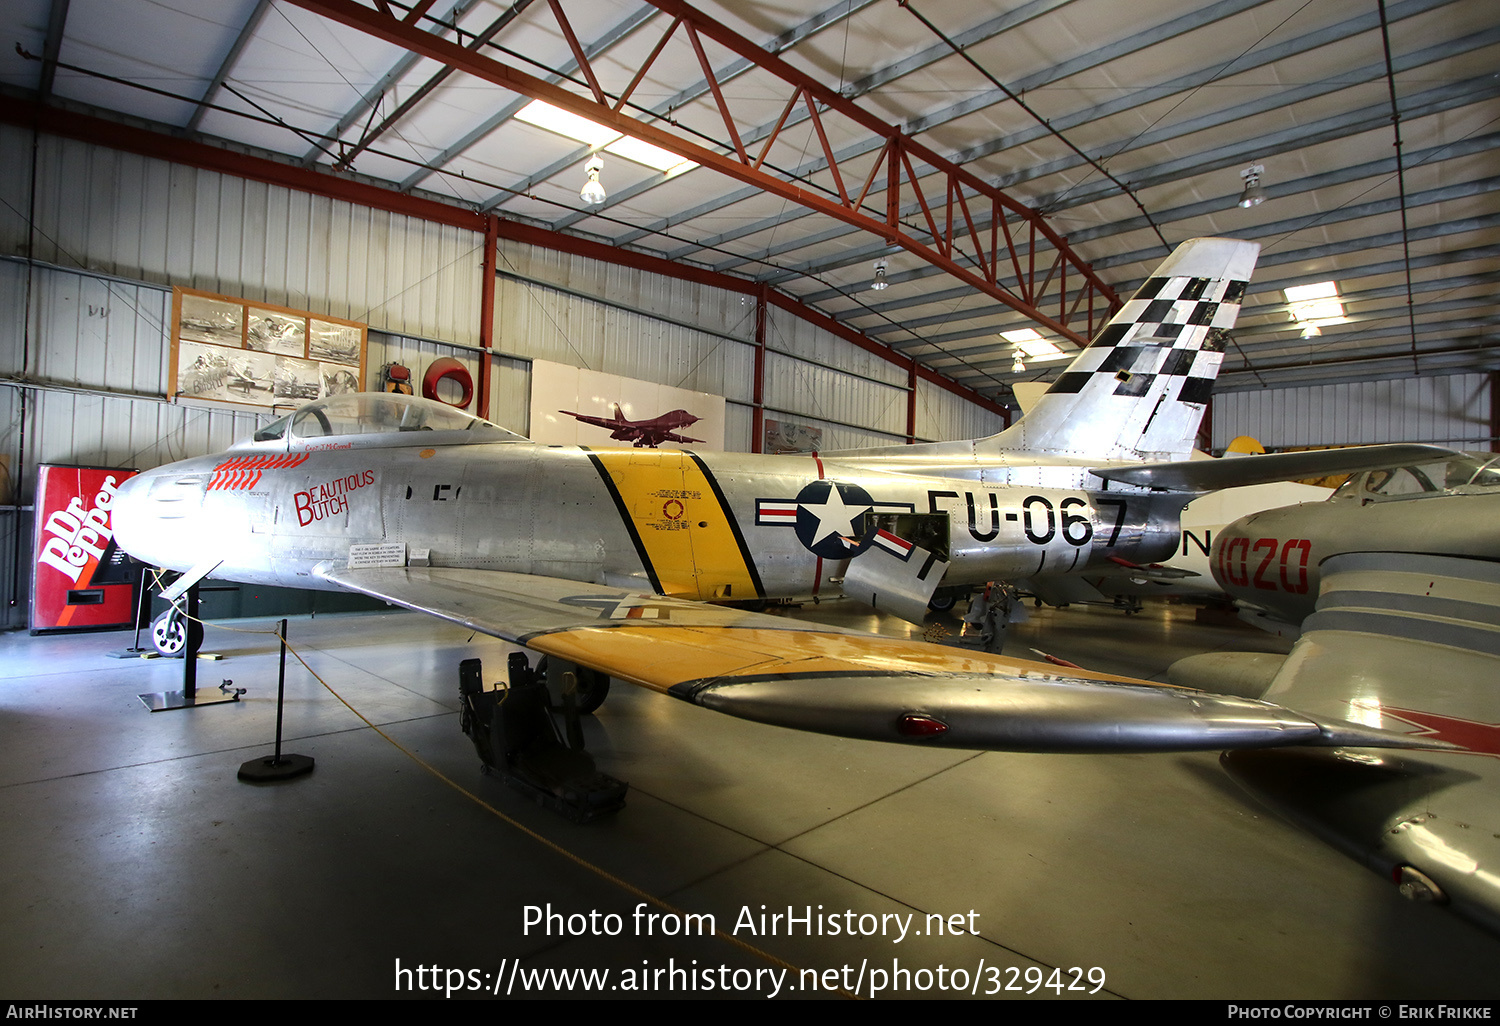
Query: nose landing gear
x=172, y=631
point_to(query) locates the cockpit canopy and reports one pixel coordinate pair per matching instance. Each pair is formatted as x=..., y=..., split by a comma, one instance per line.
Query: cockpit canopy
x=1469, y=474
x=383, y=419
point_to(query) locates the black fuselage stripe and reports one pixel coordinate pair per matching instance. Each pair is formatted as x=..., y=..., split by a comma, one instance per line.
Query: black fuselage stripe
x=635, y=537
x=734, y=524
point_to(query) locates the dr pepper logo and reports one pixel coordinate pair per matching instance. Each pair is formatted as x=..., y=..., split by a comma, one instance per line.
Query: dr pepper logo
x=78, y=535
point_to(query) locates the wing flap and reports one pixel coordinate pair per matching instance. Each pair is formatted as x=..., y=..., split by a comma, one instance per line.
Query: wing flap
x=812, y=677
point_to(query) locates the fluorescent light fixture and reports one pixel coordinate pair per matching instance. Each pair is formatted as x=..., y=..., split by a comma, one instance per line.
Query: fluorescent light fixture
x=1319, y=311
x=554, y=119
x=652, y=156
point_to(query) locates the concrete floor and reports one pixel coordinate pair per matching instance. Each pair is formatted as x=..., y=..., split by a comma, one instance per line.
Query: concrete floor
x=137, y=866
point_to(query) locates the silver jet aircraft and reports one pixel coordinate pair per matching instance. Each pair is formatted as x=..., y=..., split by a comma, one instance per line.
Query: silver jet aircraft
x=1271, y=559
x=607, y=559
x=1392, y=587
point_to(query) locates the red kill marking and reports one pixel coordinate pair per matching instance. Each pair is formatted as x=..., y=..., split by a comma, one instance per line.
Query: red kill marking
x=242, y=472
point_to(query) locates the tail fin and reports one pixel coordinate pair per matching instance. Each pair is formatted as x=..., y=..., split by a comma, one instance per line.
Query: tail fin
x=619, y=417
x=1138, y=391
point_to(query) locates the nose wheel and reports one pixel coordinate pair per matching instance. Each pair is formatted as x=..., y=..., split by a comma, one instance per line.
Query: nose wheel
x=170, y=630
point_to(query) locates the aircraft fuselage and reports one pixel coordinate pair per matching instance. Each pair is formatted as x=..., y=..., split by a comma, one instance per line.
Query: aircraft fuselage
x=1273, y=559
x=724, y=526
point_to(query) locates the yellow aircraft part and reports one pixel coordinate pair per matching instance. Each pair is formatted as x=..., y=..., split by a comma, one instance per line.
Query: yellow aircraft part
x=684, y=531
x=659, y=658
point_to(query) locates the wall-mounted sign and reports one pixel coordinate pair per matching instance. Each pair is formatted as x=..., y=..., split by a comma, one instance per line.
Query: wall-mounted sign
x=228, y=350
x=787, y=436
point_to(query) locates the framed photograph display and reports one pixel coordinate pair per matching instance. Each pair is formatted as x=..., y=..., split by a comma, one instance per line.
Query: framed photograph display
x=244, y=353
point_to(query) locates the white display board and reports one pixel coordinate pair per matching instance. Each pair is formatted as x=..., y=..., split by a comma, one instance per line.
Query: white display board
x=556, y=387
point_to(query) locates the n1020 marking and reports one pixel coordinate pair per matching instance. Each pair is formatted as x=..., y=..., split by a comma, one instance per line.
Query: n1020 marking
x=1244, y=563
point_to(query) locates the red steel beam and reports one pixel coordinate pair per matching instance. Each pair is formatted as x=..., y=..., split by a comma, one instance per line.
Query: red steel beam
x=758, y=394
x=487, y=311
x=742, y=167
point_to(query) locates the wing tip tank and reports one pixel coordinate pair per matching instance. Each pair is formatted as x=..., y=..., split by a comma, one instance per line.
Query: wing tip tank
x=1029, y=714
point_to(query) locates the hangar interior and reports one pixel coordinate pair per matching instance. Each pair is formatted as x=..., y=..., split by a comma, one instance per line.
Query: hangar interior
x=835, y=255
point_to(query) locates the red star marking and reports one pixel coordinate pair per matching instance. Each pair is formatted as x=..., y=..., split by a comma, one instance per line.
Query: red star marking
x=1478, y=738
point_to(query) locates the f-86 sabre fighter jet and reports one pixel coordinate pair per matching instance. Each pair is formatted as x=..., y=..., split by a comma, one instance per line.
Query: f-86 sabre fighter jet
x=610, y=559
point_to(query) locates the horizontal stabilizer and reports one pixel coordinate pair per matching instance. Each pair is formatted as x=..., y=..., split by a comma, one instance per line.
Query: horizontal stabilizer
x=1212, y=475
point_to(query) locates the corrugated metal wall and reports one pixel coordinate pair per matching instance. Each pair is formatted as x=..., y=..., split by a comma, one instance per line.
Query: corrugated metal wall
x=647, y=327
x=1451, y=409
x=567, y=309
x=157, y=222
x=943, y=415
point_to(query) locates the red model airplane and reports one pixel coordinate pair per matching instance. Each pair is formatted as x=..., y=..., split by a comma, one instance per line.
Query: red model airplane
x=643, y=433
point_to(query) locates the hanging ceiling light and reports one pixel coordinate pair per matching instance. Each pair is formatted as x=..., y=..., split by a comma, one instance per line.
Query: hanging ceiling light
x=1018, y=366
x=592, y=192
x=880, y=284
x=1253, y=194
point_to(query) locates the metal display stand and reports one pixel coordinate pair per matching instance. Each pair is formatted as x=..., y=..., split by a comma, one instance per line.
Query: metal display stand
x=277, y=766
x=142, y=618
x=188, y=697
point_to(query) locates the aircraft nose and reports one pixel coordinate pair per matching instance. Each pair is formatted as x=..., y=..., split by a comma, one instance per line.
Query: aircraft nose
x=149, y=513
x=129, y=515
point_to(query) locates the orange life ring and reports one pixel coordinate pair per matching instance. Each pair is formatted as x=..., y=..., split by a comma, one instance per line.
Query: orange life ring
x=448, y=367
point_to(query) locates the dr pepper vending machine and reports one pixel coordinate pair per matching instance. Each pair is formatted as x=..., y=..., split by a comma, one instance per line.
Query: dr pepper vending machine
x=80, y=579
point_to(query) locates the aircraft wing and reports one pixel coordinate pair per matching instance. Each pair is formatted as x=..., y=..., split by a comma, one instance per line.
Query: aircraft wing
x=812, y=677
x=1212, y=475
x=1400, y=641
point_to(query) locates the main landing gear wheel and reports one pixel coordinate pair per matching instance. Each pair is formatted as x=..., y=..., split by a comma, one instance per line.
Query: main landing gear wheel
x=169, y=632
x=591, y=690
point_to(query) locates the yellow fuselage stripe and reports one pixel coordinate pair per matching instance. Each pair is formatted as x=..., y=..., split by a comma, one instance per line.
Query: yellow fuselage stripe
x=684, y=531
